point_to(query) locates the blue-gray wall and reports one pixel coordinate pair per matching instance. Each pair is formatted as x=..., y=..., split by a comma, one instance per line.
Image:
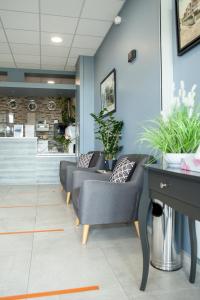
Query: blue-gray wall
x=138, y=83
x=187, y=68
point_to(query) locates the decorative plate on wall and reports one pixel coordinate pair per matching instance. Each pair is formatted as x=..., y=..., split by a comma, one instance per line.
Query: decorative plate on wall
x=51, y=105
x=32, y=106
x=12, y=104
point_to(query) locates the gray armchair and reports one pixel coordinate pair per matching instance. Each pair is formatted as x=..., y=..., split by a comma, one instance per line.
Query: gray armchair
x=98, y=201
x=67, y=168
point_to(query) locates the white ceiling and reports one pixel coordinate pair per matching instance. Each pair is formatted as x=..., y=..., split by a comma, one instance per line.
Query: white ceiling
x=26, y=28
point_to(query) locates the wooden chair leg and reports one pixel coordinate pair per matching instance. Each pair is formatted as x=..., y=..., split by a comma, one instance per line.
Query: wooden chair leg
x=62, y=189
x=86, y=228
x=68, y=198
x=77, y=222
x=136, y=224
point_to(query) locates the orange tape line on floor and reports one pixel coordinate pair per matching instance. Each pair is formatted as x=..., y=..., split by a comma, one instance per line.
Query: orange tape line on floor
x=52, y=293
x=40, y=205
x=31, y=231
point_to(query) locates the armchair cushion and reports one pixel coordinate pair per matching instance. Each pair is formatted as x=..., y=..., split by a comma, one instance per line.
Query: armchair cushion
x=84, y=160
x=122, y=171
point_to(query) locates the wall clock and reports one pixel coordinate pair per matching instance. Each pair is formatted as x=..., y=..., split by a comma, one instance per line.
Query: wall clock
x=51, y=105
x=12, y=104
x=32, y=106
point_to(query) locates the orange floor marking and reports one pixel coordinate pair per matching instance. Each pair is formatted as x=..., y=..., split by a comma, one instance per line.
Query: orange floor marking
x=31, y=231
x=18, y=206
x=52, y=293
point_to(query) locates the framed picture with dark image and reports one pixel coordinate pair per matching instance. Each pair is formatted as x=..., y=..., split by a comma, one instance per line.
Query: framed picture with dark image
x=187, y=24
x=108, y=92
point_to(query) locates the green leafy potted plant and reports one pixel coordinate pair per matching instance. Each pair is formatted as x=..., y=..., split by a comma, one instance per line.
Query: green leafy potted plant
x=176, y=133
x=65, y=142
x=109, y=133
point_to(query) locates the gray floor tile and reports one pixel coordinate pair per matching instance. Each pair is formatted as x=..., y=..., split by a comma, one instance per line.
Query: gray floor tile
x=14, y=273
x=112, y=294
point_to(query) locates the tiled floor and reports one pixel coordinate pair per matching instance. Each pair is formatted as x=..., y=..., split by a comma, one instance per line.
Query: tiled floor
x=40, y=262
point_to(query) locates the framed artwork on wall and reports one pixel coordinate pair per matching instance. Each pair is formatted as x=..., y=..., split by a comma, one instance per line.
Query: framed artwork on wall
x=187, y=24
x=108, y=92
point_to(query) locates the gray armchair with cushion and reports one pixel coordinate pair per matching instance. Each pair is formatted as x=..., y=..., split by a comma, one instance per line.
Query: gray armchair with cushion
x=67, y=168
x=98, y=201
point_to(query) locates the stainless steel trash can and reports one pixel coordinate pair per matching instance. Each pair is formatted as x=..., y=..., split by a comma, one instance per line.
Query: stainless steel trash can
x=166, y=237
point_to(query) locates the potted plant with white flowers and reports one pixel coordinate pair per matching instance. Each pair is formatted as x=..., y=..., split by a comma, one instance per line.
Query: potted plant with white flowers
x=176, y=133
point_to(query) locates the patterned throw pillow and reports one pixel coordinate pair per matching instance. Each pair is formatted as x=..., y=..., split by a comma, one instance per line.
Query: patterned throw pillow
x=122, y=171
x=84, y=160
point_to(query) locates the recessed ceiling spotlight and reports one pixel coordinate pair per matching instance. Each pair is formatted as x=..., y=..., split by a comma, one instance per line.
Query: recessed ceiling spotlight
x=117, y=20
x=56, y=39
x=50, y=81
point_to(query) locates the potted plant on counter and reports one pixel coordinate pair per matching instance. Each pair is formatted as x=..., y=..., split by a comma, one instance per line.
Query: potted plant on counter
x=64, y=141
x=176, y=133
x=109, y=133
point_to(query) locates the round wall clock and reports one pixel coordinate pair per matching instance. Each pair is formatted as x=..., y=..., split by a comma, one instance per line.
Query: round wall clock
x=12, y=104
x=51, y=105
x=32, y=106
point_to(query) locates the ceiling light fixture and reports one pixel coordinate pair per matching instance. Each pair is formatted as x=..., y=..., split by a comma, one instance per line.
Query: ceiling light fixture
x=56, y=39
x=117, y=20
x=50, y=81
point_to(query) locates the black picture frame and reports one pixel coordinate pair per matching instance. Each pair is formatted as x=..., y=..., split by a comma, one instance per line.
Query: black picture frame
x=186, y=17
x=108, y=92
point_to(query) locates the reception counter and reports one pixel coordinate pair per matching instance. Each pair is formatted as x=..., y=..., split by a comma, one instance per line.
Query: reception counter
x=20, y=162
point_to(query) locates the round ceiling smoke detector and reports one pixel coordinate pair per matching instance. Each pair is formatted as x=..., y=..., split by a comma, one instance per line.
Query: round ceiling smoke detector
x=117, y=20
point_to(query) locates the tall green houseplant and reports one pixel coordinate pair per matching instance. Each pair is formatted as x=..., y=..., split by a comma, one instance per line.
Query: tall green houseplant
x=109, y=133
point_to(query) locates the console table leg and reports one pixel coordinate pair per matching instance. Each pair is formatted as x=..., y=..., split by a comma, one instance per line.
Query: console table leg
x=193, y=243
x=142, y=218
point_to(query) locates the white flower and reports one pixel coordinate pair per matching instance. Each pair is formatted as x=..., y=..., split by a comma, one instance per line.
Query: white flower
x=177, y=102
x=190, y=112
x=182, y=85
x=193, y=87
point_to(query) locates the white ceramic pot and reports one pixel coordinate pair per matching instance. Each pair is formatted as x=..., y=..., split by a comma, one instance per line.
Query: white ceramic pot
x=173, y=160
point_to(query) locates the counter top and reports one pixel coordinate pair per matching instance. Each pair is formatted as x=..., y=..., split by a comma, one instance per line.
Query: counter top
x=18, y=138
x=56, y=154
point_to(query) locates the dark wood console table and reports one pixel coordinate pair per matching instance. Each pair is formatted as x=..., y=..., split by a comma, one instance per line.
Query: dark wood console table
x=178, y=189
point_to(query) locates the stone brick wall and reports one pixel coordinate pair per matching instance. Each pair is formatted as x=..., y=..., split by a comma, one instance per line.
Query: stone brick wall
x=42, y=113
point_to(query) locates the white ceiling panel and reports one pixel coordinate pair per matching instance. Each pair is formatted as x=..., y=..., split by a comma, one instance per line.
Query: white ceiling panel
x=93, y=27
x=6, y=57
x=70, y=68
x=2, y=36
x=28, y=66
x=18, y=20
x=53, y=60
x=72, y=61
x=69, y=8
x=27, y=59
x=87, y=41
x=25, y=49
x=58, y=24
x=57, y=51
x=46, y=39
x=4, y=48
x=102, y=9
x=52, y=67
x=20, y=5
x=7, y=64
x=22, y=36
x=81, y=51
